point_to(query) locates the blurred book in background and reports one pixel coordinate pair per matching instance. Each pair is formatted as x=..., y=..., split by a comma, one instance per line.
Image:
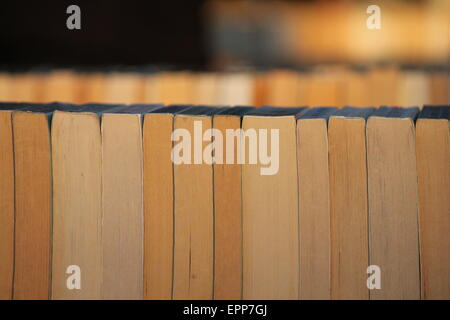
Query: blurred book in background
x=280, y=33
x=285, y=53
x=317, y=86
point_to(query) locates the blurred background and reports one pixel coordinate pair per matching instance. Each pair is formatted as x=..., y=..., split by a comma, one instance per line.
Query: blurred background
x=226, y=52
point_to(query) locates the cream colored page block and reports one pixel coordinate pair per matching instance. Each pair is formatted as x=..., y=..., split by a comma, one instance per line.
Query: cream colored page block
x=314, y=209
x=384, y=84
x=270, y=218
x=21, y=87
x=124, y=88
x=6, y=205
x=414, y=89
x=348, y=203
x=6, y=87
x=152, y=89
x=283, y=88
x=433, y=168
x=61, y=86
x=93, y=88
x=325, y=89
x=206, y=89
x=393, y=200
x=175, y=88
x=439, y=90
x=227, y=220
x=122, y=206
x=193, y=252
x=357, y=89
x=235, y=89
x=77, y=203
x=158, y=206
x=33, y=208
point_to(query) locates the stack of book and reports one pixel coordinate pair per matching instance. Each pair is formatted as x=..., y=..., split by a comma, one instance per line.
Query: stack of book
x=103, y=201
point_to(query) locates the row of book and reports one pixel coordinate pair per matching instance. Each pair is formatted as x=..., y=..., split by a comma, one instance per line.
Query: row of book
x=140, y=202
x=318, y=86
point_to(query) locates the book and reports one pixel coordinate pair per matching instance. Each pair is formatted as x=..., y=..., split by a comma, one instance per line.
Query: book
x=124, y=87
x=193, y=205
x=77, y=202
x=235, y=88
x=61, y=85
x=414, y=88
x=321, y=85
x=356, y=87
x=93, y=87
x=122, y=202
x=270, y=204
x=205, y=89
x=439, y=87
x=348, y=203
x=385, y=83
x=325, y=88
x=17, y=87
x=433, y=172
x=174, y=88
x=314, y=203
x=158, y=203
x=393, y=201
x=6, y=202
x=6, y=86
x=283, y=88
x=228, y=207
x=33, y=201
